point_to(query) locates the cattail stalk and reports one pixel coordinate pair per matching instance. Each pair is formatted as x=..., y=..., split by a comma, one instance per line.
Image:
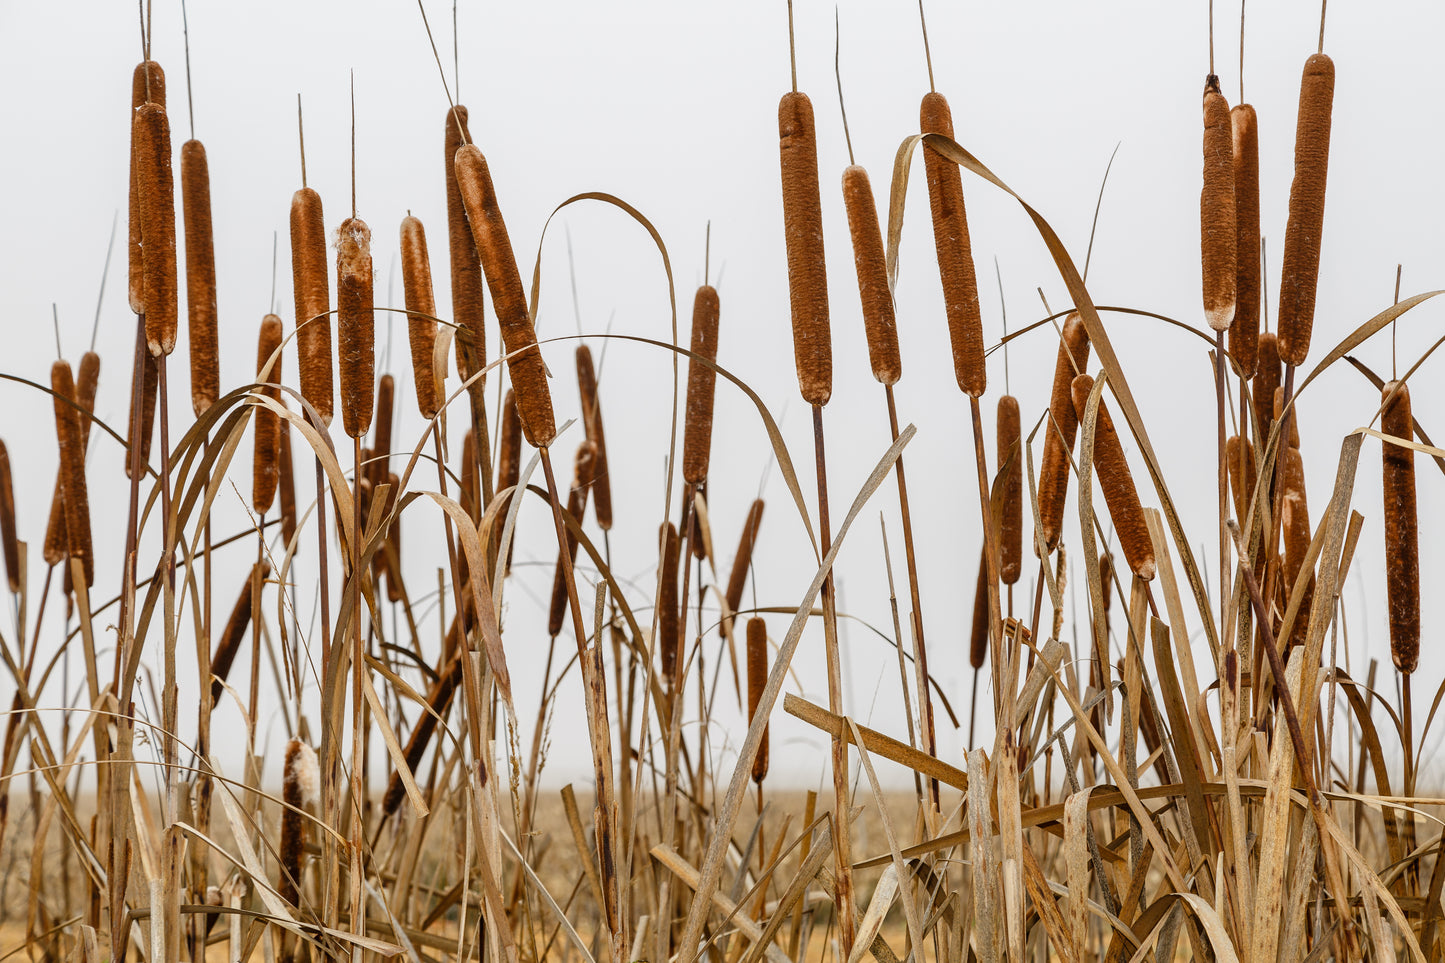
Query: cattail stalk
x=874, y=292
x=1063, y=426
x=462, y=248
x=200, y=277
x=1218, y=233
x=583, y=468
x=592, y=423
x=1301, y=268
x=266, y=424
x=668, y=639
x=355, y=323
x=380, y=465
x=742, y=562
x=1402, y=538
x=235, y=631
x=286, y=480
x=1297, y=533
x=312, y=287
x=1117, y=482
x=1011, y=465
x=8, y=537
x=1266, y=383
x=701, y=383
x=72, y=469
x=421, y=308
x=803, y=231
x=156, y=186
x=1244, y=332
x=147, y=85
x=757, y=661
x=978, y=636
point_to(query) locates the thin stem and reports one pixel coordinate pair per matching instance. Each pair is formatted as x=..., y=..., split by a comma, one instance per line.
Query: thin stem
x=105, y=273
x=1223, y=488
x=1324, y=4
x=353, y=143
x=1211, y=36
x=186, y=34
x=301, y=138
x=927, y=54
x=792, y=50
x=1241, y=51
x=838, y=75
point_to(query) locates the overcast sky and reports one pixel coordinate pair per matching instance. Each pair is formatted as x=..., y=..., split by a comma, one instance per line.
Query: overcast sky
x=672, y=107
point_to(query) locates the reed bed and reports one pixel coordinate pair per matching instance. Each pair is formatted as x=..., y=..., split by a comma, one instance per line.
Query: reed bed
x=1172, y=756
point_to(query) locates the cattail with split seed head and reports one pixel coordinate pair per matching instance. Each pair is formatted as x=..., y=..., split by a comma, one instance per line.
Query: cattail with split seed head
x=462, y=247
x=11, y=544
x=668, y=631
x=701, y=385
x=1300, y=272
x=1244, y=332
x=286, y=480
x=299, y=789
x=955, y=255
x=873, y=290
x=147, y=85
x=381, y=446
x=420, y=322
x=200, y=277
x=1117, y=482
x=803, y=231
x=743, y=561
x=312, y=288
x=72, y=469
x=235, y=631
x=1278, y=408
x=1265, y=383
x=978, y=636
x=1402, y=537
x=156, y=184
x=1060, y=429
x=524, y=357
x=355, y=325
x=1218, y=233
x=266, y=425
x=1296, y=535
x=1011, y=466
x=592, y=422
x=583, y=467
x=757, y=682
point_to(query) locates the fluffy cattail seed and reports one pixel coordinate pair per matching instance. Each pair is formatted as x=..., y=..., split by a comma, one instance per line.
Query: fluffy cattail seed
x=1218, y=233
x=742, y=561
x=757, y=682
x=299, y=788
x=803, y=231
x=978, y=636
x=421, y=323
x=200, y=277
x=668, y=631
x=156, y=184
x=955, y=256
x=462, y=248
x=1244, y=333
x=582, y=471
x=1402, y=538
x=11, y=545
x=1118, y=484
x=1300, y=272
x=147, y=85
x=592, y=423
x=1062, y=427
x=873, y=289
x=72, y=469
x=266, y=423
x=1011, y=465
x=355, y=325
x=524, y=357
x=312, y=288
x=701, y=384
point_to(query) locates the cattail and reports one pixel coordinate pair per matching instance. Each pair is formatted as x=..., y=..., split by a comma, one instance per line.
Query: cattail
x=757, y=682
x=87, y=380
x=147, y=400
x=1296, y=533
x=1266, y=382
x=7, y=521
x=1300, y=272
x=803, y=230
x=200, y=277
x=381, y=447
x=1218, y=233
x=72, y=469
x=1118, y=485
x=286, y=479
x=524, y=361
x=697, y=539
x=742, y=561
x=1011, y=464
x=1278, y=408
x=592, y=422
x=873, y=289
x=156, y=184
x=955, y=256
x=1402, y=549
x=471, y=487
x=438, y=700
x=1244, y=333
x=355, y=325
x=421, y=323
x=701, y=384
x=462, y=248
x=1239, y=455
x=393, y=538
x=267, y=425
x=147, y=85
x=583, y=467
x=509, y=459
x=299, y=789
x=978, y=637
x=312, y=288
x=1106, y=576
x=230, y=641
x=1061, y=429
x=669, y=632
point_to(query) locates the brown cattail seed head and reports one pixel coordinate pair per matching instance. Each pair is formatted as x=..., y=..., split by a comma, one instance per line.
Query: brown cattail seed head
x=235, y=631
x=803, y=231
x=955, y=256
x=1300, y=272
x=87, y=380
x=743, y=560
x=583, y=468
x=156, y=184
x=1062, y=426
x=1266, y=382
x=298, y=787
x=1218, y=233
x=286, y=480
x=701, y=383
x=355, y=325
x=757, y=682
x=267, y=424
x=873, y=289
x=381, y=447
x=147, y=401
x=978, y=636
x=1296, y=532
x=462, y=247
x=1011, y=466
x=312, y=288
x=8, y=539
x=1239, y=455
x=420, y=321
x=1402, y=537
x=1244, y=333
x=592, y=423
x=1278, y=407
x=471, y=486
x=147, y=85
x=509, y=459
x=668, y=630
x=1118, y=484
x=72, y=469
x=56, y=537
x=524, y=357
x=200, y=277
x=394, y=589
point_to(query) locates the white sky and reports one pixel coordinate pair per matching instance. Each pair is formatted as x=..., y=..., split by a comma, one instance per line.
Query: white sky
x=672, y=107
